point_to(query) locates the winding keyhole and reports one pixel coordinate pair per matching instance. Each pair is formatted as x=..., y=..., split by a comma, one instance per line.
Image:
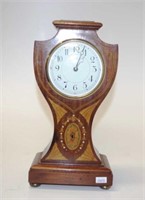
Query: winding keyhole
x=72, y=135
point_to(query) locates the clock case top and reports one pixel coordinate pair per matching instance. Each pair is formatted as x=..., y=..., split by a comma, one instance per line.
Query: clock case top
x=75, y=30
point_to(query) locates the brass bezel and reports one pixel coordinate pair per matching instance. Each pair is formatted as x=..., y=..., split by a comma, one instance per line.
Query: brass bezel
x=61, y=93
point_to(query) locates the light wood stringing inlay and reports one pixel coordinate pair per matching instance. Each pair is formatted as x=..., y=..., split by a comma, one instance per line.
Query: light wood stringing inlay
x=60, y=112
x=87, y=112
x=88, y=155
x=55, y=154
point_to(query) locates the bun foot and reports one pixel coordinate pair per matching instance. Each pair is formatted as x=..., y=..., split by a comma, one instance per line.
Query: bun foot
x=35, y=184
x=105, y=187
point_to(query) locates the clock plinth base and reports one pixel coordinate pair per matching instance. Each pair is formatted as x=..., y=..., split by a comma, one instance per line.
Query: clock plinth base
x=70, y=175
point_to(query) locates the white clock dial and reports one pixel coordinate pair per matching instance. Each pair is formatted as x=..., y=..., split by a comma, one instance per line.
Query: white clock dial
x=75, y=68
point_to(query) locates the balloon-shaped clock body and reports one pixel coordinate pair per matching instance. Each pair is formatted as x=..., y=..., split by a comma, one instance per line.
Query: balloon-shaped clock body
x=74, y=70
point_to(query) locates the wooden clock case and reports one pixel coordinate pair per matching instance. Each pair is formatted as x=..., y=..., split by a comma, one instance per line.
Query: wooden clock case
x=71, y=158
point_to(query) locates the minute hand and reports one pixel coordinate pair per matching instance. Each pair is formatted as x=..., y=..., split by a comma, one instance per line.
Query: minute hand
x=79, y=60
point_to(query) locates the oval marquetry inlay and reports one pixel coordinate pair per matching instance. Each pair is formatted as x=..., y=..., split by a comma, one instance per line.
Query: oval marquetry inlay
x=72, y=136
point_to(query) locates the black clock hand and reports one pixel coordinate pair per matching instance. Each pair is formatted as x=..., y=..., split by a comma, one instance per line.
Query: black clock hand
x=80, y=59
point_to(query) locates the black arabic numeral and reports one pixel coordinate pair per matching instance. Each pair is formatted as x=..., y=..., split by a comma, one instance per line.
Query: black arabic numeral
x=57, y=67
x=65, y=84
x=75, y=87
x=85, y=53
x=59, y=58
x=66, y=52
x=59, y=77
x=85, y=85
x=91, y=78
x=95, y=68
x=76, y=49
x=92, y=59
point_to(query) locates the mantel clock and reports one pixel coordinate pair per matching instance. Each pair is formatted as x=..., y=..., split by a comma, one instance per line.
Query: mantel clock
x=74, y=70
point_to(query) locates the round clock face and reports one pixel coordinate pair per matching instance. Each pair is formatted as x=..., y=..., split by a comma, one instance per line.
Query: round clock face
x=75, y=68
